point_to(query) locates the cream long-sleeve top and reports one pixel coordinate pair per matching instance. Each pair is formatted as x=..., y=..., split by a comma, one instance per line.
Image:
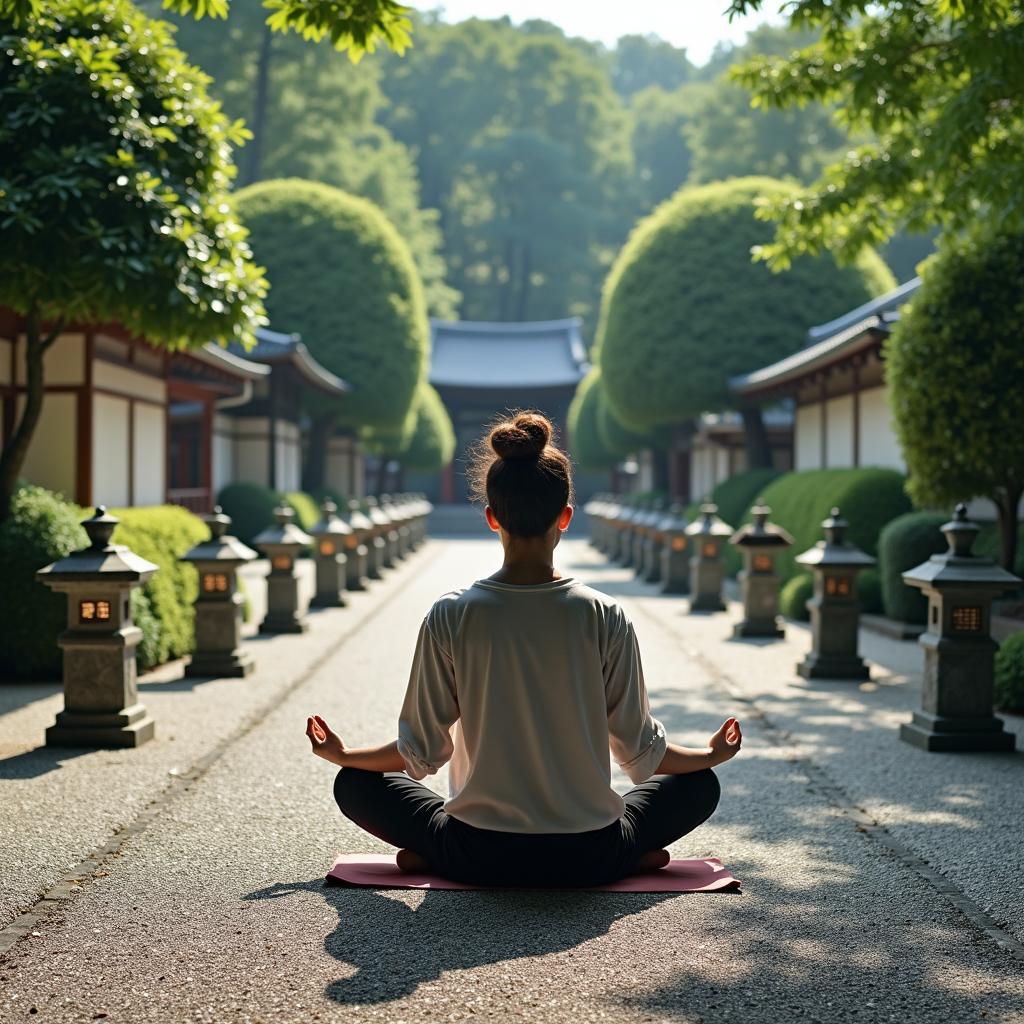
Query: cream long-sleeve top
x=527, y=690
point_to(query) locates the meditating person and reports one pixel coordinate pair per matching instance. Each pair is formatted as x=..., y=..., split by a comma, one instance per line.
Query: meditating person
x=525, y=681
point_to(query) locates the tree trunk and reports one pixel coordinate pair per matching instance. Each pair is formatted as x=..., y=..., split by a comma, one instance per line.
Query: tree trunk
x=15, y=451
x=253, y=167
x=314, y=472
x=1007, y=503
x=759, y=452
x=659, y=469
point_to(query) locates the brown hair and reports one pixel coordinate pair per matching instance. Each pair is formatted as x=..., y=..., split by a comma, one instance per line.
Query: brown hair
x=525, y=479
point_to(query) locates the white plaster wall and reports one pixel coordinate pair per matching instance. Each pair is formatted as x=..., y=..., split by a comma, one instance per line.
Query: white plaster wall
x=251, y=450
x=839, y=432
x=878, y=444
x=52, y=453
x=338, y=466
x=223, y=452
x=807, y=437
x=700, y=472
x=63, y=362
x=289, y=457
x=110, y=450
x=127, y=381
x=150, y=455
x=6, y=349
x=721, y=464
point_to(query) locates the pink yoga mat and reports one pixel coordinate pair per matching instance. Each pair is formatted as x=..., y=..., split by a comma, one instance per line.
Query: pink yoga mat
x=379, y=871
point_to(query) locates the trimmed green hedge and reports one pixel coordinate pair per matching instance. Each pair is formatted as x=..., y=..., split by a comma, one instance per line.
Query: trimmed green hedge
x=907, y=541
x=162, y=534
x=867, y=498
x=869, y=591
x=737, y=494
x=585, y=442
x=307, y=511
x=794, y=596
x=251, y=507
x=1009, y=689
x=40, y=528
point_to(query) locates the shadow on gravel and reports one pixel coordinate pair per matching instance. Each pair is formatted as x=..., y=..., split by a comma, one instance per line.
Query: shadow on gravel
x=394, y=948
x=30, y=764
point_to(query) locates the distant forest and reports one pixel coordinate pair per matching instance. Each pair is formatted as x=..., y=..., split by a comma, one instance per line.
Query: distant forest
x=513, y=159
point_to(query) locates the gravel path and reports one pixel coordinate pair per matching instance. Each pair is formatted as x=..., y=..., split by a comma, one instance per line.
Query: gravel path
x=216, y=912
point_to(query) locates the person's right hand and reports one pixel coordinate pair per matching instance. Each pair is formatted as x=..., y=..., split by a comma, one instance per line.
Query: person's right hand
x=726, y=743
x=325, y=743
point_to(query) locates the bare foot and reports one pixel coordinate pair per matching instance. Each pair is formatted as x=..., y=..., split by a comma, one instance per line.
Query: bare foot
x=653, y=860
x=411, y=863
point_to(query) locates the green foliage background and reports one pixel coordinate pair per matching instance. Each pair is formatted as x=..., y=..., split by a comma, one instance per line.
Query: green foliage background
x=585, y=442
x=685, y=308
x=344, y=279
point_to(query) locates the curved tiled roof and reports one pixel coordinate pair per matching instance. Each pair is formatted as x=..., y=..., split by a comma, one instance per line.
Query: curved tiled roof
x=482, y=354
x=831, y=341
x=273, y=347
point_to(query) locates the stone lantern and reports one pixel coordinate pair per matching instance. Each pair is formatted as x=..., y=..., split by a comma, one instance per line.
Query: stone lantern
x=397, y=516
x=377, y=541
x=956, y=698
x=759, y=542
x=707, y=535
x=631, y=522
x=282, y=543
x=650, y=562
x=593, y=509
x=675, y=558
x=331, y=534
x=835, y=612
x=219, y=652
x=101, y=702
x=423, y=508
x=620, y=541
x=645, y=531
x=356, y=552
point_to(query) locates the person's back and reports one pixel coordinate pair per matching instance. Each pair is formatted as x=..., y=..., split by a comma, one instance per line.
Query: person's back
x=537, y=669
x=527, y=682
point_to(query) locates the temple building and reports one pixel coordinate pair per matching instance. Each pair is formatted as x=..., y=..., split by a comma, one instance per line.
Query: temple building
x=836, y=383
x=482, y=370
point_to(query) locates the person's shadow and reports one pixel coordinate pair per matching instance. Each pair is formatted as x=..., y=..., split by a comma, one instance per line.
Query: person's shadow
x=395, y=948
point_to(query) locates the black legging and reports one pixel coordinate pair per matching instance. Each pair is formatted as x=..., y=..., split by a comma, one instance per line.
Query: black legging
x=406, y=814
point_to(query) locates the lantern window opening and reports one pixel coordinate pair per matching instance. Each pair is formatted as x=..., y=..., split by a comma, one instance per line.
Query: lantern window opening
x=327, y=547
x=762, y=563
x=710, y=550
x=966, y=619
x=282, y=562
x=679, y=544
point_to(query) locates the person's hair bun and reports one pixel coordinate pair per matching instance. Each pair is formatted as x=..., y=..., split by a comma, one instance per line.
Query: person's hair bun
x=524, y=437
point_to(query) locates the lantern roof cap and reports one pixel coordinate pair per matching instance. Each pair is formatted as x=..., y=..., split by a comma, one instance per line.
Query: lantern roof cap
x=674, y=518
x=759, y=533
x=283, y=532
x=357, y=518
x=709, y=524
x=835, y=550
x=220, y=546
x=330, y=524
x=101, y=560
x=375, y=513
x=956, y=566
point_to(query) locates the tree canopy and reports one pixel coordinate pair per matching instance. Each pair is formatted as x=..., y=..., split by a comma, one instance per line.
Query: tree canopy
x=342, y=277
x=115, y=165
x=355, y=26
x=314, y=115
x=685, y=308
x=937, y=88
x=956, y=377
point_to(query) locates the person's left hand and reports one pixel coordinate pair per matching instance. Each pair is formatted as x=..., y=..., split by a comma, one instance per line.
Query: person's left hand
x=326, y=744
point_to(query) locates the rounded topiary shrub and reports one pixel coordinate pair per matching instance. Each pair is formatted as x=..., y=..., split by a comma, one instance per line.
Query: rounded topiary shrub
x=251, y=507
x=40, y=528
x=794, y=596
x=343, y=277
x=904, y=543
x=869, y=591
x=585, y=442
x=1009, y=689
x=432, y=443
x=685, y=307
x=307, y=511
